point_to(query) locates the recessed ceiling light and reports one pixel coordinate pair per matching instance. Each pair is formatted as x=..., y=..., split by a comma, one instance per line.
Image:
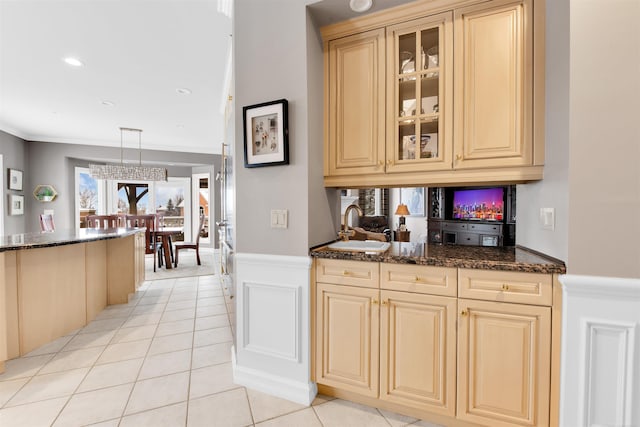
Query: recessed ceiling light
x=107, y=103
x=360, y=5
x=75, y=62
x=183, y=91
x=180, y=126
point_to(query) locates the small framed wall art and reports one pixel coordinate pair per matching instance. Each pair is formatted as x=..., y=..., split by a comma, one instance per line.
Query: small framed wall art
x=414, y=199
x=15, y=179
x=16, y=204
x=266, y=134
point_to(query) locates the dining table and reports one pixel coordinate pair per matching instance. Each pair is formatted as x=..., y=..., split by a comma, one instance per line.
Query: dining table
x=163, y=235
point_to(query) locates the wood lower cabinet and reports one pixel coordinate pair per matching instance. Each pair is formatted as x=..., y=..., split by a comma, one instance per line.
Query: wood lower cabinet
x=405, y=339
x=347, y=338
x=418, y=351
x=504, y=360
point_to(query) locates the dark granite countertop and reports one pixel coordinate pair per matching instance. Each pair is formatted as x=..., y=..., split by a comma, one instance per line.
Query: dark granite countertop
x=14, y=242
x=508, y=258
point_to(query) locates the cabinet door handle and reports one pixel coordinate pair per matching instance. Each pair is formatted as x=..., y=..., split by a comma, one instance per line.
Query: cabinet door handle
x=385, y=302
x=458, y=156
x=380, y=163
x=389, y=162
x=417, y=279
x=505, y=287
x=345, y=272
x=463, y=313
x=374, y=301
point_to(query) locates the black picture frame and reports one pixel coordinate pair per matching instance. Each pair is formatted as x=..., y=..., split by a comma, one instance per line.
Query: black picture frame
x=266, y=134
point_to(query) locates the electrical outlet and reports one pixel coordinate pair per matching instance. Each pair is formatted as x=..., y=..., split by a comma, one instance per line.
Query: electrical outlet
x=548, y=218
x=279, y=218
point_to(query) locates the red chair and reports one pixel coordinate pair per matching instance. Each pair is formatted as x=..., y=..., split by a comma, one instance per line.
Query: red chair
x=190, y=245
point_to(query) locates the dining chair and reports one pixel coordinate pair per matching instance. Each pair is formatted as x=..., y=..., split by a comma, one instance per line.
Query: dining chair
x=160, y=224
x=190, y=245
x=46, y=223
x=102, y=221
x=149, y=222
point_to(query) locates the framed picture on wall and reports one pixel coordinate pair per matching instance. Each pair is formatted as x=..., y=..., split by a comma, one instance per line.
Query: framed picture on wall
x=15, y=179
x=414, y=199
x=266, y=134
x=16, y=204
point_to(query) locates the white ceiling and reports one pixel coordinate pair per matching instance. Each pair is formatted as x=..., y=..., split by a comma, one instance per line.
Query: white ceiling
x=136, y=53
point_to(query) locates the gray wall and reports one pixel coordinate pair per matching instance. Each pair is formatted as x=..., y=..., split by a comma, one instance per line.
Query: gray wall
x=54, y=164
x=49, y=163
x=272, y=58
x=553, y=190
x=604, y=170
x=324, y=204
x=15, y=152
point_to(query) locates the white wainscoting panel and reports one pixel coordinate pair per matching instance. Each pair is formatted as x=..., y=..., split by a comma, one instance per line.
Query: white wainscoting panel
x=600, y=372
x=269, y=307
x=272, y=354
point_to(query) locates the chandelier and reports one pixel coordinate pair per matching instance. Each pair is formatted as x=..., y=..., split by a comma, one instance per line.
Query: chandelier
x=126, y=172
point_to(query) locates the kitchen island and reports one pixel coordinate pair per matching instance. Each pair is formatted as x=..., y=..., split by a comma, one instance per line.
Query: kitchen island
x=55, y=283
x=454, y=335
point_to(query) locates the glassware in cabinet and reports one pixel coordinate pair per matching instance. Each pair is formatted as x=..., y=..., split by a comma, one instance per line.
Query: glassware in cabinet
x=417, y=93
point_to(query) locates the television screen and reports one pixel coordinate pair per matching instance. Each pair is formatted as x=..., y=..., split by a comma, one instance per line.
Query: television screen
x=485, y=204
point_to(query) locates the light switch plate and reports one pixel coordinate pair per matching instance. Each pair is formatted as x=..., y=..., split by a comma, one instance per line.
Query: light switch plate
x=279, y=218
x=548, y=218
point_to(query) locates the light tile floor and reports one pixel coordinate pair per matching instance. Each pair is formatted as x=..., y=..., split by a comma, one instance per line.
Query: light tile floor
x=163, y=359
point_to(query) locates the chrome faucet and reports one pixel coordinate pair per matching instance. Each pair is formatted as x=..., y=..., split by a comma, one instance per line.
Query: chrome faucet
x=345, y=233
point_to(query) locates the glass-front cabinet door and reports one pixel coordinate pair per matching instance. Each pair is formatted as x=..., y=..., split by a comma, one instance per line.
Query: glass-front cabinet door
x=420, y=94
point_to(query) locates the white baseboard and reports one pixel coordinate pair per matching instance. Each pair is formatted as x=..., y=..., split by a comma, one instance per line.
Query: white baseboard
x=285, y=388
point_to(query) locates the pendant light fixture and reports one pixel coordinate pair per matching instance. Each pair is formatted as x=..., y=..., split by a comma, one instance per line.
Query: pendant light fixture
x=125, y=172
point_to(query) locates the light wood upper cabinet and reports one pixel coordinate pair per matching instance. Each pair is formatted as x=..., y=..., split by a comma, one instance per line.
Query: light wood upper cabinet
x=418, y=351
x=420, y=94
x=494, y=85
x=504, y=359
x=355, y=104
x=474, y=115
x=347, y=340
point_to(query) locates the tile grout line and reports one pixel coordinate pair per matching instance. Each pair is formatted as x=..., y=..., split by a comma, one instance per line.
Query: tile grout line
x=193, y=338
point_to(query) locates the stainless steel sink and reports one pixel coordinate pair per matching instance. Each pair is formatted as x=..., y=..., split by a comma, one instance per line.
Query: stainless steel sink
x=360, y=246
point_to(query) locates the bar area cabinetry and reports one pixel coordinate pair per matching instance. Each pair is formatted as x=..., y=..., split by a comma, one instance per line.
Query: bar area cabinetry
x=402, y=85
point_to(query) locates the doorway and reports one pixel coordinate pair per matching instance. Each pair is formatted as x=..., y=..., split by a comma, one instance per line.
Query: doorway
x=202, y=204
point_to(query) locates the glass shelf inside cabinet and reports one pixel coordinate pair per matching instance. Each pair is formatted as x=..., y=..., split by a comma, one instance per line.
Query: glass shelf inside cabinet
x=429, y=137
x=408, y=149
x=407, y=53
x=407, y=97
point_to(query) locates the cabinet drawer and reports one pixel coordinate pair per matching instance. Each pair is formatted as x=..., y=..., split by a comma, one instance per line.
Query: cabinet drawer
x=454, y=226
x=468, y=239
x=486, y=228
x=507, y=286
x=419, y=278
x=353, y=273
